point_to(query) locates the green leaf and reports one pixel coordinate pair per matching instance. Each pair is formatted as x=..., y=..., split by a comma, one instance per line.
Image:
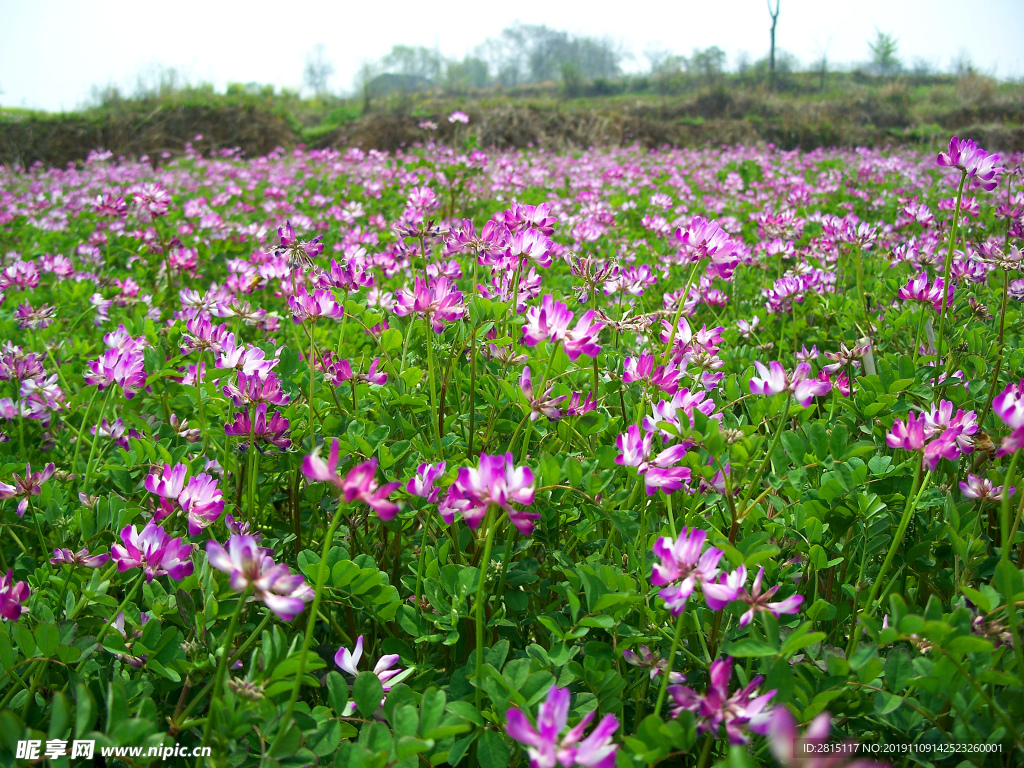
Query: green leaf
x=750, y=647
x=367, y=692
x=899, y=670
x=337, y=692
x=391, y=339
x=885, y=703
x=491, y=750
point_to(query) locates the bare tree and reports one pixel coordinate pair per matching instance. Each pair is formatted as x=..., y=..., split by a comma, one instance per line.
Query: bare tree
x=318, y=71
x=771, y=55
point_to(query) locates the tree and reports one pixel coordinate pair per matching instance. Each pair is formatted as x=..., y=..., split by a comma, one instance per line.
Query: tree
x=883, y=54
x=318, y=71
x=771, y=55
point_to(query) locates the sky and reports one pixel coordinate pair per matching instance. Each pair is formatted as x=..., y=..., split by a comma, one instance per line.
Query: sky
x=52, y=52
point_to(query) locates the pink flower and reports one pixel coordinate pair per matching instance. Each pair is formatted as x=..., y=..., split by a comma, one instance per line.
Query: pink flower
x=648, y=659
x=761, y=601
x=252, y=567
x=458, y=117
x=121, y=366
x=154, y=551
x=440, y=302
x=202, y=502
x=542, y=404
x=548, y=322
x=546, y=745
x=300, y=253
x=982, y=489
x=80, y=558
x=910, y=436
x=169, y=483
x=739, y=713
x=422, y=483
x=683, y=564
x=918, y=289
x=496, y=481
x=977, y=164
x=12, y=595
x=774, y=379
x=26, y=486
x=348, y=661
x=272, y=432
x=582, y=340
x=312, y=307
x=359, y=485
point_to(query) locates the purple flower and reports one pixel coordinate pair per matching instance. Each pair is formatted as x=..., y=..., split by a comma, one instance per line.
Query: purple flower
x=121, y=366
x=169, y=483
x=359, y=485
x=312, y=307
x=458, y=117
x=496, y=481
x=440, y=302
x=651, y=660
x=774, y=379
x=26, y=486
x=272, y=432
x=549, y=321
x=300, y=253
x=982, y=489
x=543, y=404
x=422, y=483
x=910, y=436
x=12, y=595
x=202, y=501
x=683, y=564
x=761, y=601
x=546, y=745
x=81, y=558
x=974, y=162
x=256, y=389
x=918, y=289
x=154, y=551
x=252, y=567
x=739, y=713
x=348, y=661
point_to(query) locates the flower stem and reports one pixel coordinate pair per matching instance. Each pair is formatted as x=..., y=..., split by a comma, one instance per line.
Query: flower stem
x=908, y=511
x=113, y=618
x=768, y=455
x=96, y=439
x=481, y=595
x=222, y=664
x=321, y=577
x=1007, y=568
x=312, y=384
x=679, y=313
x=668, y=668
x=949, y=266
x=435, y=427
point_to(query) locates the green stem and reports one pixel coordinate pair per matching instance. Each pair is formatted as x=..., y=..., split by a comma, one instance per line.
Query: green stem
x=321, y=577
x=949, y=266
x=481, y=596
x=92, y=451
x=908, y=511
x=668, y=669
x=222, y=665
x=312, y=384
x=112, y=619
x=199, y=397
x=768, y=455
x=435, y=427
x=1007, y=567
x=679, y=313
x=423, y=558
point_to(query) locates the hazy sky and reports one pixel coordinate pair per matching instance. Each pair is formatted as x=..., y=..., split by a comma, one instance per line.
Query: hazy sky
x=53, y=51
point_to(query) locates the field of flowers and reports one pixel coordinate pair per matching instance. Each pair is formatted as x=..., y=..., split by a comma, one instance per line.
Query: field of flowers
x=447, y=457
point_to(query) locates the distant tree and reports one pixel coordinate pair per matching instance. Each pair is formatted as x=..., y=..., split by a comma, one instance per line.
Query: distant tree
x=471, y=72
x=883, y=54
x=318, y=71
x=417, y=61
x=961, y=65
x=771, y=56
x=707, y=64
x=663, y=62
